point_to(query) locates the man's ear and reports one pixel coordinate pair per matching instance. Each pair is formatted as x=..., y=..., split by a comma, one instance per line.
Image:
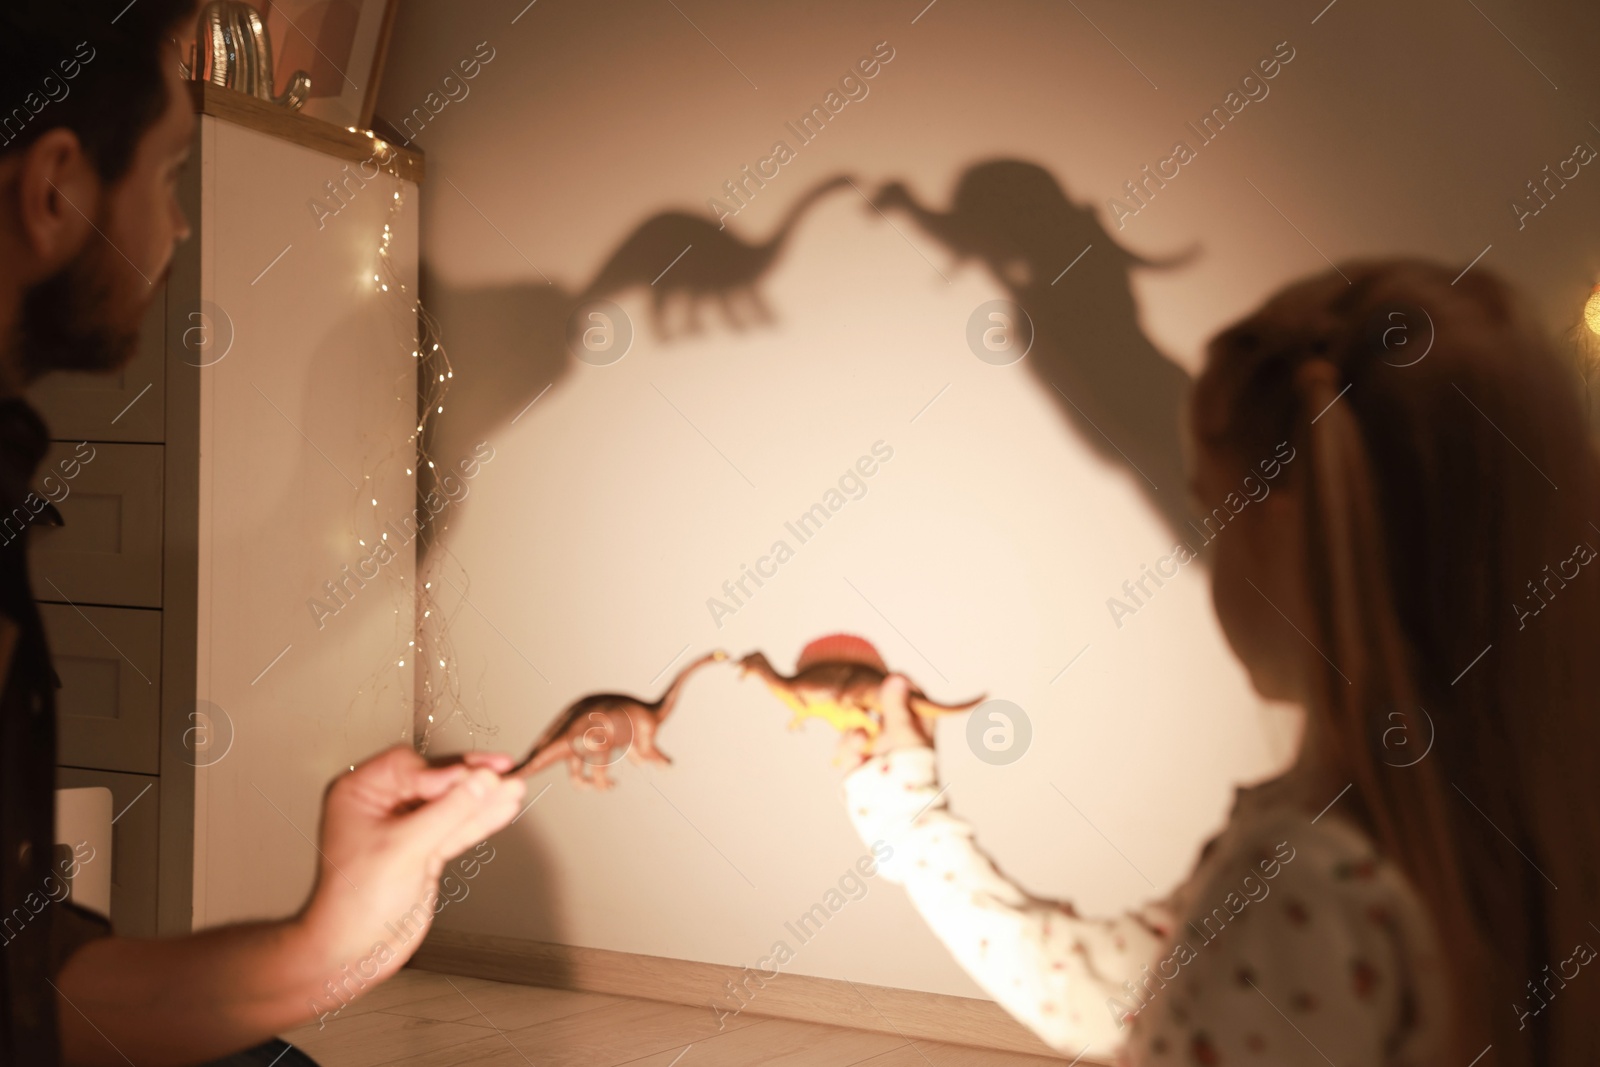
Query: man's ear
x=57, y=192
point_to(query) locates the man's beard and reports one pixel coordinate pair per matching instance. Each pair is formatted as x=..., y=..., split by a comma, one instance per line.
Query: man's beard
x=67, y=321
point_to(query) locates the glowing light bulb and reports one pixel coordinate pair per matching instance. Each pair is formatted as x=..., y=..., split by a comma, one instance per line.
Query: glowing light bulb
x=1591, y=311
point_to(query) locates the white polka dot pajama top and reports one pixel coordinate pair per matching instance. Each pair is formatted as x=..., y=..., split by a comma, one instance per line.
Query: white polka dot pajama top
x=1292, y=942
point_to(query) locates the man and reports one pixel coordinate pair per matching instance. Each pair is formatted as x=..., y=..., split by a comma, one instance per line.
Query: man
x=98, y=128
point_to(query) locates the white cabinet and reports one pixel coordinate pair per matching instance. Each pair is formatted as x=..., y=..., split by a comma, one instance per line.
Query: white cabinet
x=263, y=432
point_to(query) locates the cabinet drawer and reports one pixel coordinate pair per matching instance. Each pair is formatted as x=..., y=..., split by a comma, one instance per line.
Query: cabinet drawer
x=126, y=405
x=109, y=551
x=136, y=815
x=108, y=709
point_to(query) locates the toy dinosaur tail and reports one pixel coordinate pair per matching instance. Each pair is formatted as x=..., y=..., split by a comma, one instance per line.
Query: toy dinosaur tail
x=929, y=708
x=541, y=757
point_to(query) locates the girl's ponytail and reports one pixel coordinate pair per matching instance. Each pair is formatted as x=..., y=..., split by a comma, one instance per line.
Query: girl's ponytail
x=1375, y=726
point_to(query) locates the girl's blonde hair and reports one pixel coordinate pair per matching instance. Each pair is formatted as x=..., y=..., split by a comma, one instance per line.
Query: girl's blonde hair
x=1452, y=506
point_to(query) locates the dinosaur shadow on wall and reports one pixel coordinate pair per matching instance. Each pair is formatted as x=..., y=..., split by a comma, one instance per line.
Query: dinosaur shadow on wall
x=509, y=344
x=1122, y=396
x=682, y=258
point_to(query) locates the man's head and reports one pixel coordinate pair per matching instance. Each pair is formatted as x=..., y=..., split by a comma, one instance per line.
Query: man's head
x=94, y=128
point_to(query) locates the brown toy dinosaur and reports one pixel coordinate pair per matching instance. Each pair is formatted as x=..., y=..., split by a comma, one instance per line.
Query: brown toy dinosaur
x=601, y=728
x=836, y=679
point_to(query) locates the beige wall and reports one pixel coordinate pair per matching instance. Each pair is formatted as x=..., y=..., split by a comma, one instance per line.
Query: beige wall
x=983, y=554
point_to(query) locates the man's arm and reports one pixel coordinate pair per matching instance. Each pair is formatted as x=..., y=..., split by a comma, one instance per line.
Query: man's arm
x=388, y=828
x=185, y=999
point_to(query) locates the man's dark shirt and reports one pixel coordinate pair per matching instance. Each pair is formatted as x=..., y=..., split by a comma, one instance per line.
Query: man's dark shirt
x=37, y=934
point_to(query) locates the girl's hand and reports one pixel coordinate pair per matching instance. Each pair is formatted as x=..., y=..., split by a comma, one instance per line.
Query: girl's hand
x=902, y=728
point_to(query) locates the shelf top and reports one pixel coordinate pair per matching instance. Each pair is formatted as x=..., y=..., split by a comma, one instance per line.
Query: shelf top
x=342, y=142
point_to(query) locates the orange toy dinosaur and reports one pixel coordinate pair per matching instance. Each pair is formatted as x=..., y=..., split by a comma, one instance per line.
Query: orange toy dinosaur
x=598, y=730
x=836, y=679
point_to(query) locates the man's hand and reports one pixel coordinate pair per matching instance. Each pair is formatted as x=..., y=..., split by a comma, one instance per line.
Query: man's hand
x=388, y=829
x=902, y=728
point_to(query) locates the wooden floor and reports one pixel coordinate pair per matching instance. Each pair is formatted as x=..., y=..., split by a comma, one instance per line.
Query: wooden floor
x=423, y=1019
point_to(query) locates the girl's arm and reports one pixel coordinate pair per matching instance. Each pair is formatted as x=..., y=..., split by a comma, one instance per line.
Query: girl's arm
x=1066, y=977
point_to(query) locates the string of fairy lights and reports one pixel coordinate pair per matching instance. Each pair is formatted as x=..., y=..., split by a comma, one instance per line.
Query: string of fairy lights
x=425, y=642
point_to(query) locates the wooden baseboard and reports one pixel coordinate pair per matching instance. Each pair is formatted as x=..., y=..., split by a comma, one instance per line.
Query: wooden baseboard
x=907, y=1012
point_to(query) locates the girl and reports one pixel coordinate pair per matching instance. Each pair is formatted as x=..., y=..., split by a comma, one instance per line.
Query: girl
x=1423, y=885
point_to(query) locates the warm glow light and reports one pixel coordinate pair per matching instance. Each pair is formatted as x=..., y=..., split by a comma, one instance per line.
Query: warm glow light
x=1591, y=311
